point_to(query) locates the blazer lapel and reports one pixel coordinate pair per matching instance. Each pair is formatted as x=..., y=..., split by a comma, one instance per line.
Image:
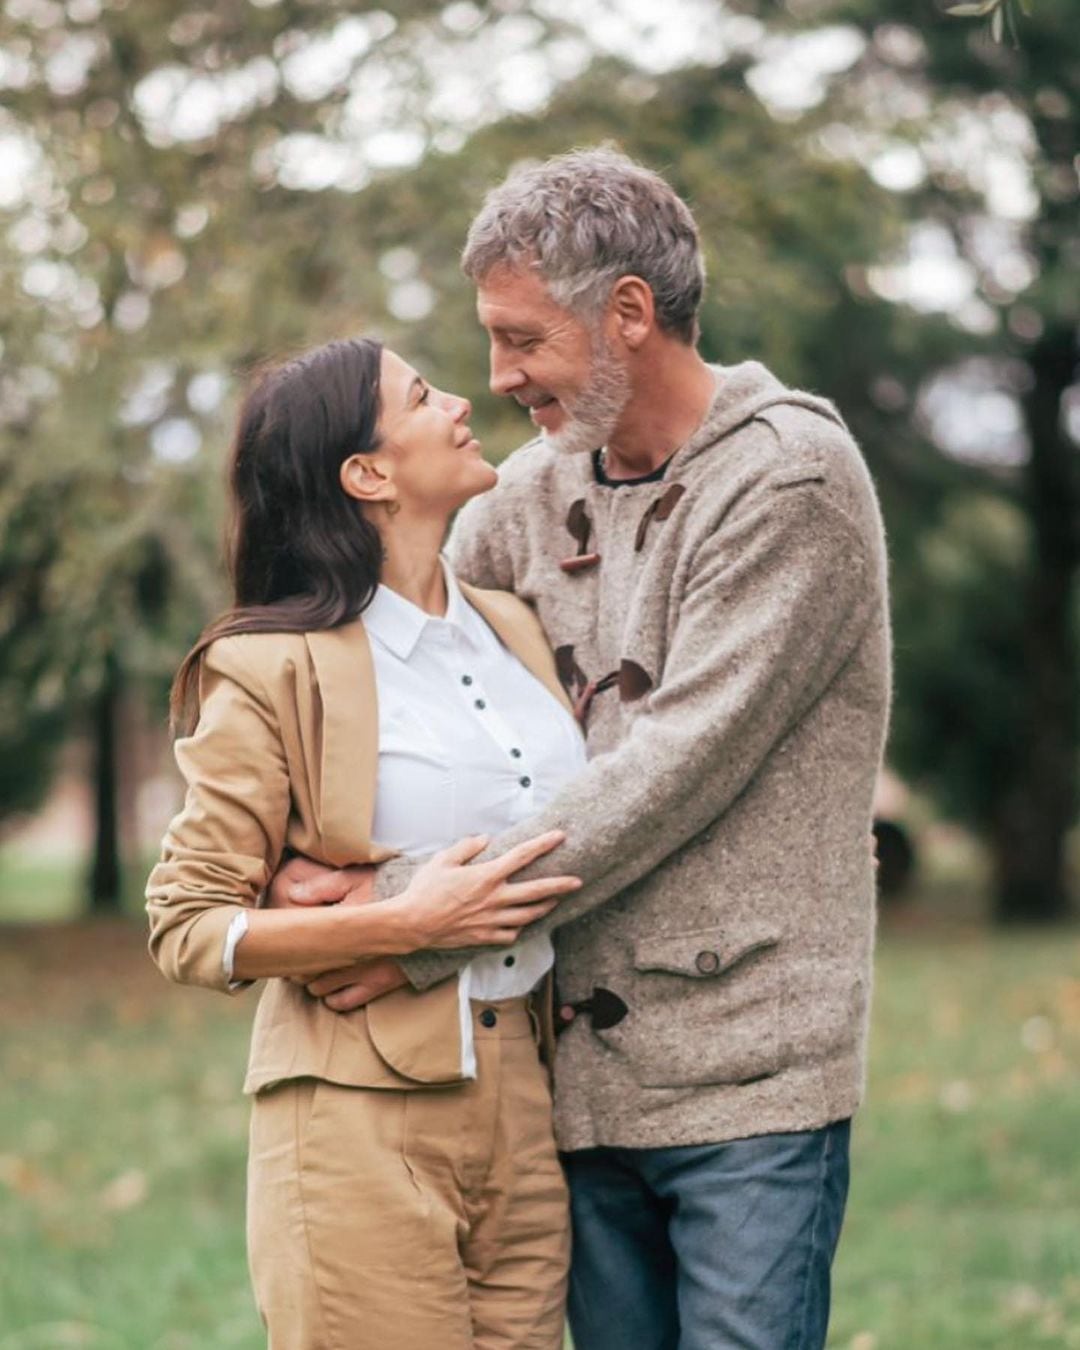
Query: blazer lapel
x=518, y=628
x=349, y=743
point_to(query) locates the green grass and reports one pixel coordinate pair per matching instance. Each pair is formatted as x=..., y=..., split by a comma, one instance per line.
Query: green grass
x=122, y=1141
x=34, y=889
x=964, y=1224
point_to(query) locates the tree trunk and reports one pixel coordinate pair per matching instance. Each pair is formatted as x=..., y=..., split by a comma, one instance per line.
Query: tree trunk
x=1040, y=807
x=105, y=873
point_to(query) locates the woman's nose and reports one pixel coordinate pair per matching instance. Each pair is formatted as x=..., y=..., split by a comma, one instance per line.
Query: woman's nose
x=459, y=408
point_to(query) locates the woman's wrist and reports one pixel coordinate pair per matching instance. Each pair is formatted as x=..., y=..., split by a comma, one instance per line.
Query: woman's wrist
x=381, y=928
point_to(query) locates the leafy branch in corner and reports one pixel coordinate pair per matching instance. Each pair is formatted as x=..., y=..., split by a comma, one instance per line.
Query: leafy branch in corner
x=1001, y=13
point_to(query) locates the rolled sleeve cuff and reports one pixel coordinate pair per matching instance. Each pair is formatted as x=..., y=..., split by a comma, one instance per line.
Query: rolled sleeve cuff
x=236, y=930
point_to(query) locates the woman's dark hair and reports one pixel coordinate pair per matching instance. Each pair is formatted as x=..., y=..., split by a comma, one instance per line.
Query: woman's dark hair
x=301, y=554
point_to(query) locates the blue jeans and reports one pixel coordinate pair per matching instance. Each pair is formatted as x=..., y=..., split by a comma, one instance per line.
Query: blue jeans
x=711, y=1247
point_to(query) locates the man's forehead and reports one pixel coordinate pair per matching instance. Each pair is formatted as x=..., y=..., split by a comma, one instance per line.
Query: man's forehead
x=509, y=298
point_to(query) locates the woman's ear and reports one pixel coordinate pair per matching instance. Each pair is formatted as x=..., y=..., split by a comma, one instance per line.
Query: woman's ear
x=367, y=478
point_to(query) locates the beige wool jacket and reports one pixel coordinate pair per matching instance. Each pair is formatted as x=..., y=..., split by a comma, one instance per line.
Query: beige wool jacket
x=285, y=755
x=734, y=640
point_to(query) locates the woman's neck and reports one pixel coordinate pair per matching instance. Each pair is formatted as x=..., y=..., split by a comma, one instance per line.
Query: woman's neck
x=411, y=564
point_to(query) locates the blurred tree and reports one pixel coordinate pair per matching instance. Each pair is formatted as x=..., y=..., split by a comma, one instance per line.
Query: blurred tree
x=203, y=188
x=996, y=137
x=161, y=231
x=31, y=722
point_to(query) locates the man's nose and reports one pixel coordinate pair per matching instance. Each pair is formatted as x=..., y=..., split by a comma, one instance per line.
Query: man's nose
x=506, y=375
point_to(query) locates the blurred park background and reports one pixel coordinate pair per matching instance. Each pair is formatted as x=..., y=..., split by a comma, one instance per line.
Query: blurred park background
x=888, y=199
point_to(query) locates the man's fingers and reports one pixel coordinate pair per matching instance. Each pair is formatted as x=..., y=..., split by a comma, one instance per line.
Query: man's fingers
x=299, y=868
x=522, y=854
x=325, y=888
x=382, y=977
x=363, y=886
x=355, y=996
x=333, y=980
x=465, y=849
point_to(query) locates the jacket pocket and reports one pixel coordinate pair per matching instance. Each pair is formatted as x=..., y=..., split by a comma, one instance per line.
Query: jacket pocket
x=704, y=1008
x=702, y=953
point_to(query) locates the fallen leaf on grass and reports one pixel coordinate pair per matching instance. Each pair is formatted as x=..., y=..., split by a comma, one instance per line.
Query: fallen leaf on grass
x=20, y=1175
x=125, y=1191
x=957, y=1096
x=1037, y=1035
x=1068, y=1001
x=1021, y=1303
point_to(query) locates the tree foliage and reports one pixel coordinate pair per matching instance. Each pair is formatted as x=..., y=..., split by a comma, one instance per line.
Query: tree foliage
x=203, y=188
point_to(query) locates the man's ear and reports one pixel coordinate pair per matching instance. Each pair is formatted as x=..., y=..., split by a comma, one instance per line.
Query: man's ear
x=368, y=478
x=633, y=310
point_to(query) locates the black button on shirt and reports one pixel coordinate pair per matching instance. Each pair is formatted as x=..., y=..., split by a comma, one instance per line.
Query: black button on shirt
x=525, y=781
x=509, y=960
x=466, y=679
x=480, y=704
x=516, y=753
x=488, y=1017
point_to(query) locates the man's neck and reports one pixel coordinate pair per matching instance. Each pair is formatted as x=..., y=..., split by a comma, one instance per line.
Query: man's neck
x=667, y=407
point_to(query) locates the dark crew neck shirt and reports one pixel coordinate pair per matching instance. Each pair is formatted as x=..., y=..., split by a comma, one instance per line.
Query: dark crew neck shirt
x=601, y=476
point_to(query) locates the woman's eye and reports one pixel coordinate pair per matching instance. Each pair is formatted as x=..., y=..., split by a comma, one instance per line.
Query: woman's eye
x=425, y=395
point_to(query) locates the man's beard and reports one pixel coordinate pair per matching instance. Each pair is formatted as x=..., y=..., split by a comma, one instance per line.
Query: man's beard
x=593, y=415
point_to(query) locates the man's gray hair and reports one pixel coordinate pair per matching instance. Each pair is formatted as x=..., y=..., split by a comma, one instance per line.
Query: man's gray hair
x=583, y=220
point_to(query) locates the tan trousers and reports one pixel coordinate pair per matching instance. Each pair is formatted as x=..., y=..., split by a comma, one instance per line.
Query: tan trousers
x=433, y=1219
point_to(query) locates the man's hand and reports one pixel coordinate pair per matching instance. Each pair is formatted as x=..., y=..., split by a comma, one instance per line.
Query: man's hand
x=299, y=883
x=303, y=882
x=353, y=986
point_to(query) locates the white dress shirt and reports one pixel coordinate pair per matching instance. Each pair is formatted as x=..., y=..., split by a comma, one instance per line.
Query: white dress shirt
x=469, y=743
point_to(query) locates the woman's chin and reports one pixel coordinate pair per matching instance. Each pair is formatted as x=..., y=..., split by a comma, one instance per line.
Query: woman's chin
x=483, y=479
x=479, y=480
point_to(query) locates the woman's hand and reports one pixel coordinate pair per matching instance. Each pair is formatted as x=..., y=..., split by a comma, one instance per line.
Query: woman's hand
x=452, y=903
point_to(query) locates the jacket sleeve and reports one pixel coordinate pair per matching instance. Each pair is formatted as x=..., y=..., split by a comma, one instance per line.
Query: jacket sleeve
x=775, y=602
x=220, y=852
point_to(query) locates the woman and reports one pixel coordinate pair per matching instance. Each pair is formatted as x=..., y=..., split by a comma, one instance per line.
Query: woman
x=404, y=1189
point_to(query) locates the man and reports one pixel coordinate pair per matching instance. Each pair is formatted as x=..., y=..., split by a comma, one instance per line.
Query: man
x=704, y=550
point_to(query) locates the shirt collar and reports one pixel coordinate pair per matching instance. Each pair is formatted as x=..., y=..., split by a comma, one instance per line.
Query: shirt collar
x=399, y=624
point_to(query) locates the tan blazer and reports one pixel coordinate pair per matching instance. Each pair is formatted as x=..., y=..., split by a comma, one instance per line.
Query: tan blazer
x=285, y=755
